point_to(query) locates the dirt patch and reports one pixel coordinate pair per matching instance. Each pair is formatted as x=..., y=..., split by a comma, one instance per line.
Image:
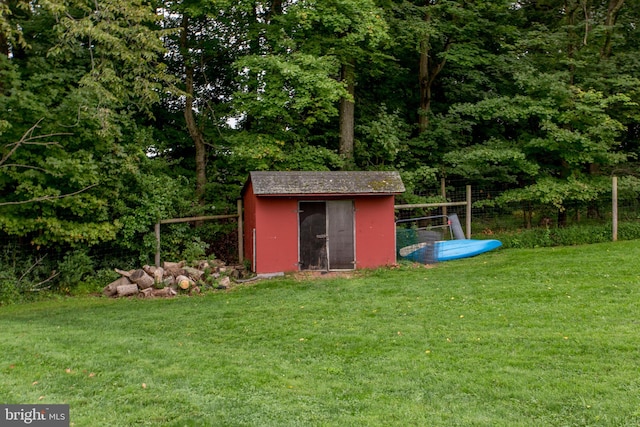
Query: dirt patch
x=313, y=275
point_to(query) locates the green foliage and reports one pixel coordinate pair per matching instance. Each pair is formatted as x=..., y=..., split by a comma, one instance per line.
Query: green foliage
x=74, y=268
x=125, y=48
x=416, y=182
x=628, y=187
x=182, y=242
x=542, y=99
x=381, y=139
x=24, y=273
x=9, y=291
x=548, y=237
x=579, y=234
x=310, y=157
x=494, y=161
x=629, y=231
x=265, y=152
x=94, y=283
x=571, y=130
x=295, y=90
x=49, y=231
x=347, y=28
x=557, y=193
x=85, y=79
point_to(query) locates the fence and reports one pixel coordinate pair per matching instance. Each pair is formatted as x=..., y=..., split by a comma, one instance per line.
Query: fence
x=477, y=208
x=237, y=216
x=444, y=205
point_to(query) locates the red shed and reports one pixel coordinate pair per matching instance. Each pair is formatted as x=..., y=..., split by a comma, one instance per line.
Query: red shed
x=319, y=220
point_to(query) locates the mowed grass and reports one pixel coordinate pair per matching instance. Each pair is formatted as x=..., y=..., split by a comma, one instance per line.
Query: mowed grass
x=544, y=337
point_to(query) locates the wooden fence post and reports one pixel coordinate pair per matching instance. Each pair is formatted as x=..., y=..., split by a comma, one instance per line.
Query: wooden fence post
x=468, y=212
x=466, y=203
x=157, y=230
x=240, y=237
x=443, y=193
x=614, y=207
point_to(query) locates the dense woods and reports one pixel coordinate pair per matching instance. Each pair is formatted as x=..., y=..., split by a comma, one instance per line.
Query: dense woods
x=114, y=113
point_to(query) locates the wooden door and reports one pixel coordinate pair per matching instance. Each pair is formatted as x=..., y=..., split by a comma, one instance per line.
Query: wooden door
x=326, y=233
x=340, y=231
x=312, y=220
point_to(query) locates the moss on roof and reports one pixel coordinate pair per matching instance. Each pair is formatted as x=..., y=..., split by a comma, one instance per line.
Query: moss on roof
x=341, y=182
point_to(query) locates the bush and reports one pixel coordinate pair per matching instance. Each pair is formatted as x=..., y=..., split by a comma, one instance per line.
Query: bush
x=95, y=282
x=74, y=267
x=22, y=273
x=9, y=292
x=629, y=231
x=566, y=236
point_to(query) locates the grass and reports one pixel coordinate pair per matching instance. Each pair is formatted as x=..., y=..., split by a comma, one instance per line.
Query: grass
x=517, y=337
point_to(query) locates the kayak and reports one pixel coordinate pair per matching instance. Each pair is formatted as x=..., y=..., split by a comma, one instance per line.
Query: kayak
x=447, y=250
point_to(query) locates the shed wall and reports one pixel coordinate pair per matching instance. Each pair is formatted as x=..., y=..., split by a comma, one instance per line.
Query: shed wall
x=249, y=204
x=276, y=234
x=375, y=231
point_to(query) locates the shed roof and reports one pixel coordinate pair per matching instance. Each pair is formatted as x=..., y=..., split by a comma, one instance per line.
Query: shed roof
x=341, y=182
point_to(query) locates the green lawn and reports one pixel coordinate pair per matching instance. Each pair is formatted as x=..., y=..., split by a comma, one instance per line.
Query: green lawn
x=544, y=337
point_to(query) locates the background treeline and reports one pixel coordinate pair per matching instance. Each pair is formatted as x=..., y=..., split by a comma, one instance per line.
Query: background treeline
x=114, y=113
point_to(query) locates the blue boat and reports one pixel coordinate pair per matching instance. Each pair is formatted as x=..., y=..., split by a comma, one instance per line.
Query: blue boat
x=446, y=250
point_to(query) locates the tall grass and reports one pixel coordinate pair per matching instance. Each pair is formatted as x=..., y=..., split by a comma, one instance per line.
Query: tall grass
x=518, y=337
x=582, y=234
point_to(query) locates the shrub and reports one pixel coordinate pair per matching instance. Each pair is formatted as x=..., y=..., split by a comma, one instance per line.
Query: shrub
x=566, y=236
x=75, y=266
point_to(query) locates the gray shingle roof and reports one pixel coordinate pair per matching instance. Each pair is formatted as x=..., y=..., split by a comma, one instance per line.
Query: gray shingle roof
x=341, y=182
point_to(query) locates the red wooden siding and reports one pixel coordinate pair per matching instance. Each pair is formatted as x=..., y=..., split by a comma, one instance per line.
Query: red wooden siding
x=375, y=231
x=276, y=235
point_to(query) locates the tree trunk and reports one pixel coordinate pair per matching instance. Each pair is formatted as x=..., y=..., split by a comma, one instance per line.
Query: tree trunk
x=274, y=10
x=571, y=11
x=427, y=76
x=425, y=90
x=194, y=131
x=610, y=21
x=562, y=218
x=4, y=47
x=347, y=111
x=4, y=43
x=526, y=215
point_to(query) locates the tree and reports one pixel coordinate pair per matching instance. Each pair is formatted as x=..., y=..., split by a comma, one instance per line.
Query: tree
x=352, y=32
x=209, y=38
x=89, y=73
x=565, y=114
x=448, y=46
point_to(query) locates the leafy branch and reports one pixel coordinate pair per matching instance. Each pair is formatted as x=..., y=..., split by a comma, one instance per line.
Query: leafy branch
x=46, y=198
x=29, y=139
x=36, y=287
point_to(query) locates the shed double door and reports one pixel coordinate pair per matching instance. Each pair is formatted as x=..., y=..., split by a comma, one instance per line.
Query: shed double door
x=326, y=235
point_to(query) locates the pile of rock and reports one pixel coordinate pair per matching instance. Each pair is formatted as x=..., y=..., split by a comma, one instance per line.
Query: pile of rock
x=173, y=278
